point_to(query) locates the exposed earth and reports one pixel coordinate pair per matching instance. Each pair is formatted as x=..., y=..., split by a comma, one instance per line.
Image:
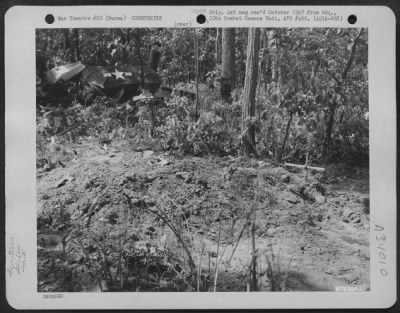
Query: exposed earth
x=312, y=229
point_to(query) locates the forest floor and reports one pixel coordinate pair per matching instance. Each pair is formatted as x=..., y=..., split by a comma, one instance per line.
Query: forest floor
x=312, y=230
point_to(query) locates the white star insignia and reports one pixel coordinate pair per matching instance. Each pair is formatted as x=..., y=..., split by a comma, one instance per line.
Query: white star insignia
x=118, y=74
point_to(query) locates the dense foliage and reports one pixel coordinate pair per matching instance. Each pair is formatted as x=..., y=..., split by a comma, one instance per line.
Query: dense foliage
x=312, y=94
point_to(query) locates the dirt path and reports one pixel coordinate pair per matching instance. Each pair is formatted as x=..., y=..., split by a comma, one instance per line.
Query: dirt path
x=318, y=244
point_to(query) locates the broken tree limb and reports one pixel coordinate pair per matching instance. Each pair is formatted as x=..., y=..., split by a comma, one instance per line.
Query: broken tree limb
x=318, y=169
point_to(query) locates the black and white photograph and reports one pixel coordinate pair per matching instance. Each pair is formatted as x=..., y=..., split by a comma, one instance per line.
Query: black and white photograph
x=202, y=159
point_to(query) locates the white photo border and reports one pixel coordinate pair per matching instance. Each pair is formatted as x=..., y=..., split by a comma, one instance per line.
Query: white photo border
x=20, y=159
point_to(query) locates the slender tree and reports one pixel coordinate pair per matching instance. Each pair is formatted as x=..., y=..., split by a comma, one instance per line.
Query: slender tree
x=138, y=46
x=75, y=34
x=228, y=63
x=154, y=57
x=291, y=112
x=249, y=93
x=216, y=45
x=196, y=56
x=66, y=43
x=261, y=59
x=126, y=45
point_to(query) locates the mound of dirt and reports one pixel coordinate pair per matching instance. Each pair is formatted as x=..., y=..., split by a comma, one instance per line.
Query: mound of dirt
x=116, y=219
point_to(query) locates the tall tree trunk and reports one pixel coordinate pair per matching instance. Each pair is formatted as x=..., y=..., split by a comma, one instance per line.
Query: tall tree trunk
x=125, y=51
x=278, y=72
x=240, y=48
x=228, y=63
x=66, y=43
x=249, y=92
x=154, y=58
x=196, y=57
x=216, y=46
x=75, y=35
x=261, y=61
x=286, y=136
x=138, y=45
x=275, y=61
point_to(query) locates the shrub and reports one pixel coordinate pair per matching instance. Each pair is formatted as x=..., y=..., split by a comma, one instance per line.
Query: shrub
x=211, y=133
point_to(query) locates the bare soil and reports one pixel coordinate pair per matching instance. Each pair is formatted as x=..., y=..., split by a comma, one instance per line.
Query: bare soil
x=312, y=230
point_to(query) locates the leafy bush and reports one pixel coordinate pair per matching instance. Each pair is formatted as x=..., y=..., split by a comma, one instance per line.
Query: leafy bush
x=352, y=142
x=211, y=133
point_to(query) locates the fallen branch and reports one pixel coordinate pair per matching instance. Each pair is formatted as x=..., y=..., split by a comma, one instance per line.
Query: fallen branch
x=313, y=168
